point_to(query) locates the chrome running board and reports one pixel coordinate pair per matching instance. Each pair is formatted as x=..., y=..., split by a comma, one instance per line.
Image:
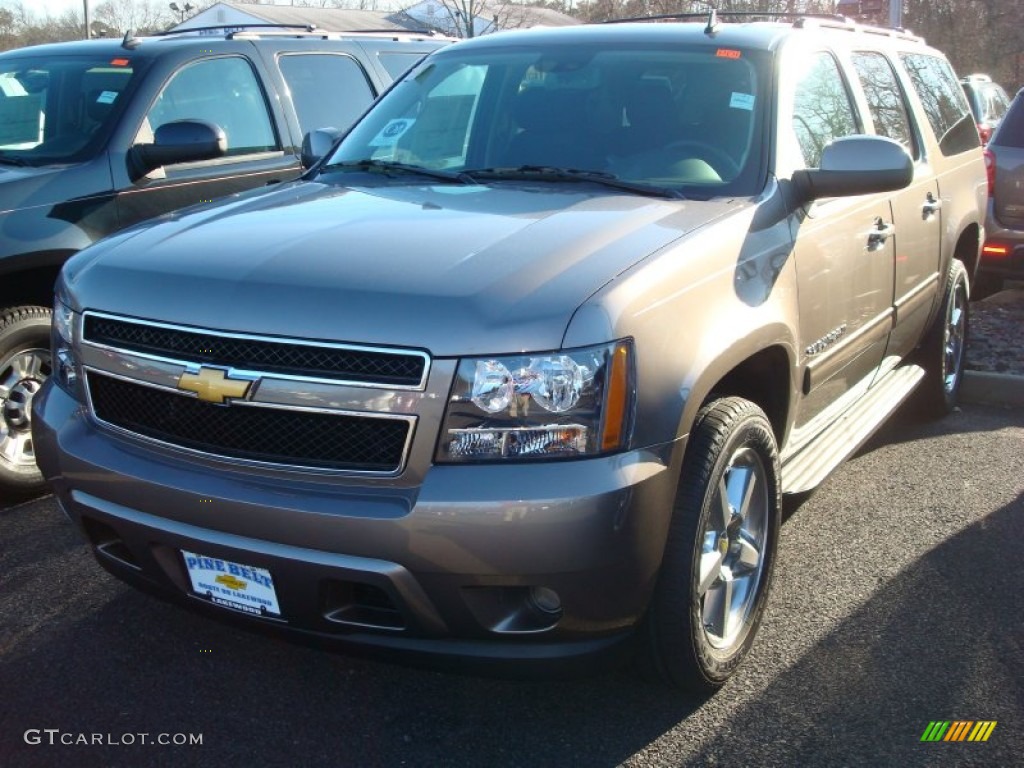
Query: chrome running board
x=805, y=469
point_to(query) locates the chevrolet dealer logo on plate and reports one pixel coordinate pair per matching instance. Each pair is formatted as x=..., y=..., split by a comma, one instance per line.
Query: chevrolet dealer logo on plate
x=213, y=385
x=231, y=582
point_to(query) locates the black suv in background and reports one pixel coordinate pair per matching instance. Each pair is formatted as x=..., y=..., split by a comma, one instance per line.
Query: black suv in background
x=98, y=135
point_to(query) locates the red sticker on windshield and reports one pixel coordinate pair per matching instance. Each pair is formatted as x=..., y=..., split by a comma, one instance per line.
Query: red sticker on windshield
x=119, y=62
x=728, y=53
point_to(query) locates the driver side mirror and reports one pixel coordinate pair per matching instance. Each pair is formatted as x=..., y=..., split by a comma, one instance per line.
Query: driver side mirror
x=180, y=141
x=856, y=165
x=318, y=143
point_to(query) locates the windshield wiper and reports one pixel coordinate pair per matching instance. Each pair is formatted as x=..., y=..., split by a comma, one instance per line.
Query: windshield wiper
x=391, y=168
x=549, y=172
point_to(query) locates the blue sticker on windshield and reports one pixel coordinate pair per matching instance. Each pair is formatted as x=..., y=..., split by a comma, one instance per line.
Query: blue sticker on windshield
x=742, y=101
x=391, y=132
x=107, y=97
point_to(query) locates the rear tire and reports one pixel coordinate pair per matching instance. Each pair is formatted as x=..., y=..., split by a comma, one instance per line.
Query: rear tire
x=24, y=366
x=720, y=552
x=944, y=348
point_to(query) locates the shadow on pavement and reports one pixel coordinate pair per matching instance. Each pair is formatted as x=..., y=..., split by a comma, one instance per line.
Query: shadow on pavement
x=966, y=597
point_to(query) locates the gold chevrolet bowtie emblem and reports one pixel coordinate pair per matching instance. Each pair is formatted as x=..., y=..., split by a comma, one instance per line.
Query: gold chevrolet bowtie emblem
x=231, y=582
x=212, y=385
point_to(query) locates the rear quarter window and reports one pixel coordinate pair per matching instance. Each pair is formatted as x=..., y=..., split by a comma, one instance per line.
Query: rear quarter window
x=944, y=102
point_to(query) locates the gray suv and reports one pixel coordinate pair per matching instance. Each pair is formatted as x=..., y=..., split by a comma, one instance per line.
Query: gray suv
x=1002, y=255
x=97, y=135
x=522, y=369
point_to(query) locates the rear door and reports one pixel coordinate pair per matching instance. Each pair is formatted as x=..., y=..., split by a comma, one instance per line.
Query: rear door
x=952, y=149
x=917, y=210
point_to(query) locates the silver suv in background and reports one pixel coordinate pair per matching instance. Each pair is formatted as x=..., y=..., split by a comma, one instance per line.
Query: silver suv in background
x=988, y=103
x=521, y=370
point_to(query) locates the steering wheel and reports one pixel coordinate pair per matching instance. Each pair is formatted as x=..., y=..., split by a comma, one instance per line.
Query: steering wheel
x=717, y=158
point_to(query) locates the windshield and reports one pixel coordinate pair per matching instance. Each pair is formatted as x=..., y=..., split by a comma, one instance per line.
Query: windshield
x=681, y=119
x=58, y=109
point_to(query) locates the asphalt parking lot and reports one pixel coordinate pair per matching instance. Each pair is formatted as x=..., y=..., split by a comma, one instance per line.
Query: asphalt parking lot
x=898, y=602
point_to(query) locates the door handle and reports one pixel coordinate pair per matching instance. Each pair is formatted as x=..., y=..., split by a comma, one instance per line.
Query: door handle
x=930, y=207
x=882, y=231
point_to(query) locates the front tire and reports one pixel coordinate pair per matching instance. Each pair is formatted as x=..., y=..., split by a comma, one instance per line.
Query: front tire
x=720, y=552
x=24, y=366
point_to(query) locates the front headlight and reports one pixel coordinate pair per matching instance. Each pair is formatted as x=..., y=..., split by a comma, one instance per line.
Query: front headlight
x=565, y=404
x=65, y=365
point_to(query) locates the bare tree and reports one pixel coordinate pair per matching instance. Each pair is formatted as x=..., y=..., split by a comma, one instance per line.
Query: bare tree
x=469, y=18
x=139, y=16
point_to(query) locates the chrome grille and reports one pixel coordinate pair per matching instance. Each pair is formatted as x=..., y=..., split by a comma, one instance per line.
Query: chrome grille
x=342, y=363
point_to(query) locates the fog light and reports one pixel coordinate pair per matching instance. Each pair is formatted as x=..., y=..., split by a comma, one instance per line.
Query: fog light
x=67, y=375
x=546, y=600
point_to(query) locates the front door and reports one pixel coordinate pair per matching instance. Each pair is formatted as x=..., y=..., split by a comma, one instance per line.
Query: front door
x=223, y=90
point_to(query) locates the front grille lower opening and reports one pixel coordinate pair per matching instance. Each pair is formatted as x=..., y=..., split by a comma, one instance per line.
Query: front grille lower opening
x=359, y=604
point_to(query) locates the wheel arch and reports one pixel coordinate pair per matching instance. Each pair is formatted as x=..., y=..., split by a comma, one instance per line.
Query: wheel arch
x=31, y=279
x=968, y=250
x=765, y=378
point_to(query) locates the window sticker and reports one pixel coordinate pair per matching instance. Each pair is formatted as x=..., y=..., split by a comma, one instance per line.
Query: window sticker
x=728, y=53
x=742, y=101
x=392, y=132
x=107, y=97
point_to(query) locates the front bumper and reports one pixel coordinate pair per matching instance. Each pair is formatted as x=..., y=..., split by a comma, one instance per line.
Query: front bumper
x=446, y=570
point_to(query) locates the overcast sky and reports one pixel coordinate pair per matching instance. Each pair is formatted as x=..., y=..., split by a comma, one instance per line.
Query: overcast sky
x=56, y=7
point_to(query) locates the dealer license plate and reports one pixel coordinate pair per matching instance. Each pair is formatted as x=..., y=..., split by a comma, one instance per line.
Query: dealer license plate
x=233, y=585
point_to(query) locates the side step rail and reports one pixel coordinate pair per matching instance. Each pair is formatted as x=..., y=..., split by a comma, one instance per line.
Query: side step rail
x=808, y=467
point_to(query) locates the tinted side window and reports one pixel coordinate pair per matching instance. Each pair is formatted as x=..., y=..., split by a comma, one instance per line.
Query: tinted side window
x=328, y=90
x=822, y=110
x=885, y=98
x=944, y=103
x=223, y=91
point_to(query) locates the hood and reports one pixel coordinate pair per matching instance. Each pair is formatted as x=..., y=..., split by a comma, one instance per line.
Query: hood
x=451, y=269
x=30, y=187
x=24, y=187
